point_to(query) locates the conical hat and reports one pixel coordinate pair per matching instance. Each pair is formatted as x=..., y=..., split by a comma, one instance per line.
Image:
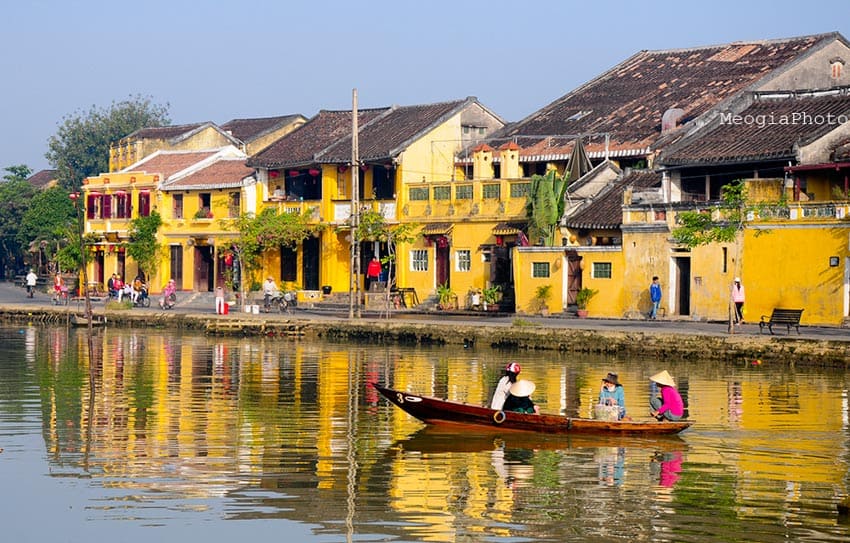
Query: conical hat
x=663, y=378
x=523, y=388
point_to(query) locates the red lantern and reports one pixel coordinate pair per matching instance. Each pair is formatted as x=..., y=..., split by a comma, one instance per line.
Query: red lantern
x=500, y=240
x=228, y=260
x=294, y=173
x=274, y=174
x=314, y=172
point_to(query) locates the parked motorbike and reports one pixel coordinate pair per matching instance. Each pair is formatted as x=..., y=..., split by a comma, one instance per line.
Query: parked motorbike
x=169, y=301
x=282, y=301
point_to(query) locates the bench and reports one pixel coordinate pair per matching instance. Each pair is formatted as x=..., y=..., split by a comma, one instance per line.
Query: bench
x=788, y=317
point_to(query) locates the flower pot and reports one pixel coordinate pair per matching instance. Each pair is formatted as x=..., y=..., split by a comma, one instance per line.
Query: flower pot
x=582, y=313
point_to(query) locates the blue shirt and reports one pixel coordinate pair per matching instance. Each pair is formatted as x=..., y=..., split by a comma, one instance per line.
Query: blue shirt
x=655, y=292
x=618, y=397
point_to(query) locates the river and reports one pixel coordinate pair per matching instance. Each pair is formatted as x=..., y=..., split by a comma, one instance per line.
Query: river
x=169, y=436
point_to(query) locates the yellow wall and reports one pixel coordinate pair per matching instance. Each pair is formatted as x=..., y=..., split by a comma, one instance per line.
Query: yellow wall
x=526, y=286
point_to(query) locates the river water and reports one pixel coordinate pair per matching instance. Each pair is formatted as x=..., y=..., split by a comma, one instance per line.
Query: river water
x=171, y=436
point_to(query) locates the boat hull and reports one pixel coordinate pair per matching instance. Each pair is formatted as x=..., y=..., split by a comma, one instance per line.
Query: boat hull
x=445, y=413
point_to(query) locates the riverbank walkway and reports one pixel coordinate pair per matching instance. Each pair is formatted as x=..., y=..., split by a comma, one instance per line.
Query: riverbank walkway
x=15, y=299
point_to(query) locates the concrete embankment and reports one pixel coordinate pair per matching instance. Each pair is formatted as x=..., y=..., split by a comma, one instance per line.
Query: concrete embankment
x=671, y=341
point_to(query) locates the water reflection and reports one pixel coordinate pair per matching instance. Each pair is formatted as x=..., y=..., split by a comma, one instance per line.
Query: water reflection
x=184, y=429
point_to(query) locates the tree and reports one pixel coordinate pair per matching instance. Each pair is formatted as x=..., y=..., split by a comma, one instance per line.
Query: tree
x=14, y=202
x=545, y=205
x=266, y=232
x=80, y=148
x=47, y=219
x=143, y=246
x=372, y=226
x=20, y=172
x=719, y=225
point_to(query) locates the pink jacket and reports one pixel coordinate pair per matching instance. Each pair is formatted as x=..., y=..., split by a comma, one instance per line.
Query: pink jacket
x=737, y=293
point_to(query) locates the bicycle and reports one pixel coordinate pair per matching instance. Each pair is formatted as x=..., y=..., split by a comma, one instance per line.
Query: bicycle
x=60, y=297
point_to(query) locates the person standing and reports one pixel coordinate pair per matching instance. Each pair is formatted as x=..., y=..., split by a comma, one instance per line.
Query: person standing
x=503, y=388
x=373, y=272
x=32, y=280
x=668, y=405
x=219, y=300
x=654, y=297
x=738, y=299
x=269, y=291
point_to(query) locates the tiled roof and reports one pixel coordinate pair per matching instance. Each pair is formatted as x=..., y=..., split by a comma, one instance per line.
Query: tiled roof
x=223, y=173
x=167, y=163
x=770, y=128
x=165, y=132
x=43, y=178
x=300, y=147
x=390, y=133
x=606, y=210
x=628, y=101
x=248, y=129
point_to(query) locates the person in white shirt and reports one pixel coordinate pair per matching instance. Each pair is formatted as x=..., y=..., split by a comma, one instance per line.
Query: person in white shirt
x=503, y=388
x=32, y=279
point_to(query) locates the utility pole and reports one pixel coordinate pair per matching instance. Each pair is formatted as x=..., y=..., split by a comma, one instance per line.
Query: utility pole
x=354, y=288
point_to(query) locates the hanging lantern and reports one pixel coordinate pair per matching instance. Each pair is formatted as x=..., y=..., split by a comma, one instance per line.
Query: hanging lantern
x=342, y=168
x=314, y=172
x=274, y=174
x=294, y=173
x=500, y=240
x=228, y=260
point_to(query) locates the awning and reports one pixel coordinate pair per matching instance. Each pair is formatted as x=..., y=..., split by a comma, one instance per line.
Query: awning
x=508, y=228
x=815, y=167
x=437, y=229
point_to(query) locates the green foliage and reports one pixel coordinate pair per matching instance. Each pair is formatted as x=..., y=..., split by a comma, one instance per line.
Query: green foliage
x=445, y=295
x=20, y=172
x=720, y=225
x=492, y=293
x=267, y=231
x=584, y=296
x=14, y=202
x=520, y=322
x=48, y=217
x=80, y=148
x=541, y=296
x=545, y=205
x=143, y=246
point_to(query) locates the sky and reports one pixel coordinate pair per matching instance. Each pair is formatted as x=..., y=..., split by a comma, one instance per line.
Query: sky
x=216, y=61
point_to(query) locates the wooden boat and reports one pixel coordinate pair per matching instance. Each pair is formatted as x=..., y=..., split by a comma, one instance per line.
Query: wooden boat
x=442, y=412
x=81, y=320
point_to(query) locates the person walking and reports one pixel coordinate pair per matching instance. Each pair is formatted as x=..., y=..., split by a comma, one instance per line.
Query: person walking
x=373, y=273
x=654, y=297
x=738, y=299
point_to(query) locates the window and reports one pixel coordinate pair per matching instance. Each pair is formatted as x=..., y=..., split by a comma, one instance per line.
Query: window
x=205, y=203
x=144, y=204
x=463, y=192
x=601, y=270
x=419, y=260
x=122, y=206
x=419, y=194
x=234, y=204
x=176, y=263
x=540, y=269
x=519, y=190
x=492, y=191
x=177, y=206
x=463, y=260
x=442, y=193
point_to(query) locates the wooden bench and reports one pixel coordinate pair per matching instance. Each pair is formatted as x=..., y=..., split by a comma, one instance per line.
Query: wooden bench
x=788, y=317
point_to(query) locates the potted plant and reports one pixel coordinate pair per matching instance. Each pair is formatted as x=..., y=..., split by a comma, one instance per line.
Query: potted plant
x=446, y=296
x=583, y=297
x=491, y=296
x=541, y=299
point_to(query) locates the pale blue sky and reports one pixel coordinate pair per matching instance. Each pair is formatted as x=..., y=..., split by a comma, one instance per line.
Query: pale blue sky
x=215, y=61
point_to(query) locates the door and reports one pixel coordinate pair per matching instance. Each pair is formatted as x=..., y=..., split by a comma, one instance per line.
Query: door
x=683, y=285
x=573, y=276
x=442, y=256
x=310, y=264
x=204, y=267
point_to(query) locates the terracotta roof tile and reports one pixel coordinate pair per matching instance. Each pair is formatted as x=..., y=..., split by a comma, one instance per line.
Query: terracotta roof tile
x=223, y=173
x=165, y=132
x=167, y=163
x=770, y=128
x=248, y=129
x=629, y=100
x=300, y=147
x=606, y=210
x=43, y=178
x=386, y=135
